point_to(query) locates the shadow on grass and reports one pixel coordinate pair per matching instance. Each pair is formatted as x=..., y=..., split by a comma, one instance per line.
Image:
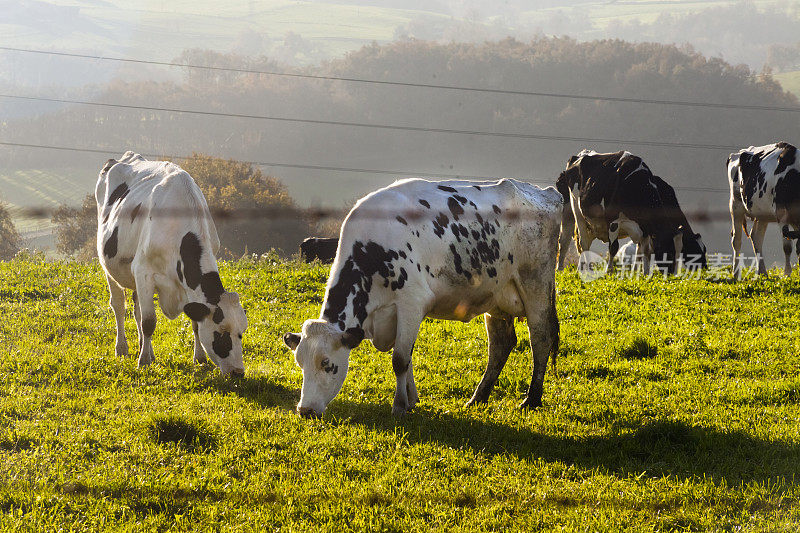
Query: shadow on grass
x=259, y=389
x=660, y=447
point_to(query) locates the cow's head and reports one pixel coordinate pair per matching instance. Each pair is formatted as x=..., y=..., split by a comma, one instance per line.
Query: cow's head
x=220, y=328
x=694, y=250
x=322, y=351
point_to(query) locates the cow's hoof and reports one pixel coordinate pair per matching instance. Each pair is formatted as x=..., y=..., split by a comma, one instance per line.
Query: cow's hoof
x=400, y=412
x=530, y=404
x=201, y=360
x=475, y=401
x=122, y=350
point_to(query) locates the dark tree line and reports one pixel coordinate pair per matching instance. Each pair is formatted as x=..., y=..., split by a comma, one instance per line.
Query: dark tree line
x=552, y=65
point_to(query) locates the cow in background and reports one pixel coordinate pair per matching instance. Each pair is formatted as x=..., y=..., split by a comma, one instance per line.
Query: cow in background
x=610, y=196
x=322, y=248
x=155, y=235
x=765, y=186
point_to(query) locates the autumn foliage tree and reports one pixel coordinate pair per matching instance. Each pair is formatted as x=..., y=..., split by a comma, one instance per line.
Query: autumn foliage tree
x=253, y=212
x=9, y=238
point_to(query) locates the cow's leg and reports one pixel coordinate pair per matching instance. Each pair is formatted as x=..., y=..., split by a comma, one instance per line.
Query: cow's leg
x=145, y=292
x=117, y=303
x=613, y=244
x=407, y=329
x=137, y=316
x=757, y=238
x=411, y=387
x=544, y=335
x=783, y=222
x=737, y=221
x=646, y=245
x=502, y=339
x=199, y=352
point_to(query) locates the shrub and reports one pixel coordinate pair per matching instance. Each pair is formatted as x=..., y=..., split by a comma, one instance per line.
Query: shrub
x=9, y=238
x=76, y=229
x=262, y=214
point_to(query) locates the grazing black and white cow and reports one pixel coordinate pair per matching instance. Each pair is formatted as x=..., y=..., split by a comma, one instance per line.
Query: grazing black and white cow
x=155, y=235
x=765, y=186
x=322, y=248
x=671, y=215
x=610, y=196
x=449, y=250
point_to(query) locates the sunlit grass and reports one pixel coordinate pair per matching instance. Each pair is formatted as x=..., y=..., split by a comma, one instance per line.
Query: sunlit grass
x=675, y=407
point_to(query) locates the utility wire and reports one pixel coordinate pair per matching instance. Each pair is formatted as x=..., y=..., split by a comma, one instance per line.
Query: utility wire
x=716, y=105
x=379, y=126
x=398, y=173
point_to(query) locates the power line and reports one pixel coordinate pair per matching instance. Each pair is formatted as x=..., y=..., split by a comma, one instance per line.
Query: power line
x=716, y=105
x=315, y=167
x=379, y=126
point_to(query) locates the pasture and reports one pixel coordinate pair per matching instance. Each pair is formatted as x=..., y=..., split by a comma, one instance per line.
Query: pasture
x=675, y=407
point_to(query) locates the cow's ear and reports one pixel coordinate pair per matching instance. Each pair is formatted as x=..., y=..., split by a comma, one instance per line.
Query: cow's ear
x=196, y=311
x=291, y=340
x=352, y=337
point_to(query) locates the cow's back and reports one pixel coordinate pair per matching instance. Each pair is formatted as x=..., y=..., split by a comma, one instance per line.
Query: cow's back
x=450, y=244
x=145, y=208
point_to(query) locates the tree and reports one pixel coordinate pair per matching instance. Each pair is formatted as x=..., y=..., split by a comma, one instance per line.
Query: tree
x=9, y=237
x=76, y=229
x=253, y=212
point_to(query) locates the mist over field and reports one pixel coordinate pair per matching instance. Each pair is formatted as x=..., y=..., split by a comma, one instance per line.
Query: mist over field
x=710, y=52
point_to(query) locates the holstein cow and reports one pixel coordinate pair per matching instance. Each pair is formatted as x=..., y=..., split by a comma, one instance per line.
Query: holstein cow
x=765, y=186
x=449, y=250
x=322, y=248
x=155, y=235
x=610, y=196
x=671, y=215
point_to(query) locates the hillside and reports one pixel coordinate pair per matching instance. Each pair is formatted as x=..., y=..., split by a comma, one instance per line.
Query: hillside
x=790, y=81
x=674, y=407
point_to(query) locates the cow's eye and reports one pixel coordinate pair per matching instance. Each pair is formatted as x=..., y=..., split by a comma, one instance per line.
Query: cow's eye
x=240, y=336
x=324, y=363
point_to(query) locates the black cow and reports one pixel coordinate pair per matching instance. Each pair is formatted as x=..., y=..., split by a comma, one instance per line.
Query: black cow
x=692, y=245
x=322, y=248
x=613, y=195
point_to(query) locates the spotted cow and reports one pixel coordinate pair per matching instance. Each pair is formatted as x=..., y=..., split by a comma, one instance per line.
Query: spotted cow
x=765, y=186
x=155, y=235
x=610, y=196
x=448, y=250
x=322, y=248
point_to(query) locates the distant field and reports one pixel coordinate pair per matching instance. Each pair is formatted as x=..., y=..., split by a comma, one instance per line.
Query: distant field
x=40, y=188
x=790, y=81
x=161, y=30
x=675, y=408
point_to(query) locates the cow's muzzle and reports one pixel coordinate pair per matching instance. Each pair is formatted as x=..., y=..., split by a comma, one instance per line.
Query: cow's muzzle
x=237, y=373
x=308, y=412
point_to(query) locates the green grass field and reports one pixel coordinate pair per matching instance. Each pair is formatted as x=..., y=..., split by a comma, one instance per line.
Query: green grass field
x=39, y=188
x=790, y=81
x=675, y=408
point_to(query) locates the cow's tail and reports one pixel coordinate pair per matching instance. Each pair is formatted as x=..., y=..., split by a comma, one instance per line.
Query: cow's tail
x=567, y=221
x=744, y=227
